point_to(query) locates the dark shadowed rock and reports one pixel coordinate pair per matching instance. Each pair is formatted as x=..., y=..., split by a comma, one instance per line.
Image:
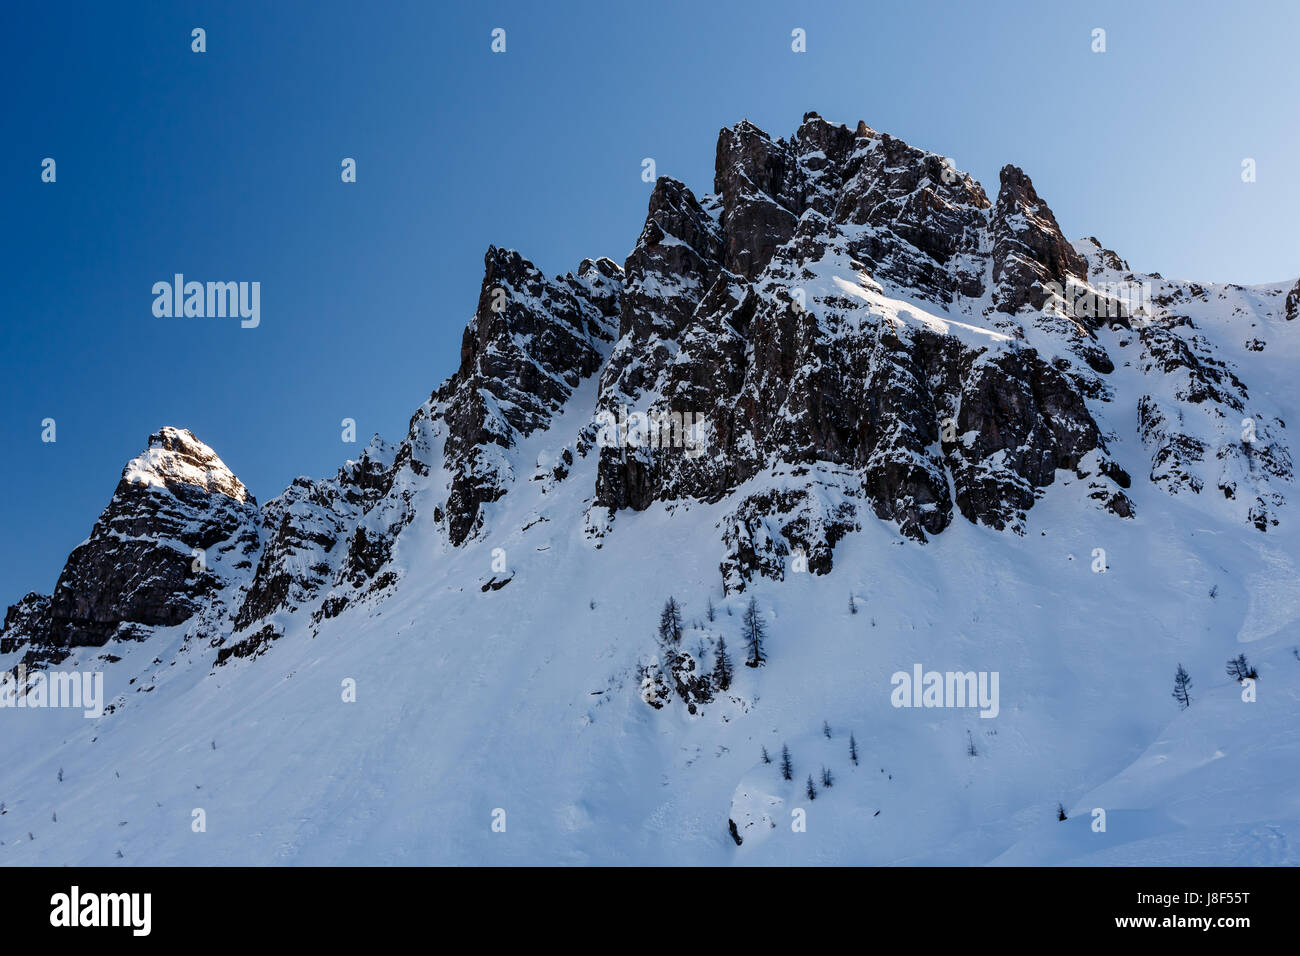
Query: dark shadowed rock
x=1029, y=250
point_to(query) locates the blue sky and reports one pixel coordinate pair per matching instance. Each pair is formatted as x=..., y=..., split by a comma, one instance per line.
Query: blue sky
x=225, y=166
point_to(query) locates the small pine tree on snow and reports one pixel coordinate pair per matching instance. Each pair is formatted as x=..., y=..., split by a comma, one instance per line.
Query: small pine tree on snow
x=722, y=666
x=826, y=729
x=60, y=775
x=1182, y=682
x=709, y=611
x=811, y=790
x=670, y=622
x=1236, y=667
x=755, y=632
x=766, y=759
x=1239, y=669
x=828, y=779
x=1060, y=812
x=853, y=750
x=853, y=604
x=787, y=769
x=970, y=746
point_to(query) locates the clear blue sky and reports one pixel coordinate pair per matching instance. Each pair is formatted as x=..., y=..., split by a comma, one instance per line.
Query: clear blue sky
x=225, y=166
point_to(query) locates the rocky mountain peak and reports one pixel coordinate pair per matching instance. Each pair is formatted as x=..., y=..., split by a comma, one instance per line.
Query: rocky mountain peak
x=178, y=537
x=846, y=330
x=1029, y=250
x=176, y=459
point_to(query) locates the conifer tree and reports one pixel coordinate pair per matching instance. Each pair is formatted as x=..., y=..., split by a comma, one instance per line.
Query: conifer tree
x=1182, y=682
x=787, y=770
x=670, y=622
x=722, y=666
x=1239, y=669
x=755, y=632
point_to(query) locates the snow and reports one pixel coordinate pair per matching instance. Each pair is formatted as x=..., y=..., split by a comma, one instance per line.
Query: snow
x=524, y=699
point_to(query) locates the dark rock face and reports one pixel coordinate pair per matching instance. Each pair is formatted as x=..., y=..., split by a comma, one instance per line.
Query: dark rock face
x=757, y=181
x=1029, y=250
x=823, y=386
x=1020, y=422
x=308, y=531
x=927, y=218
x=255, y=645
x=25, y=623
x=530, y=343
x=1292, y=310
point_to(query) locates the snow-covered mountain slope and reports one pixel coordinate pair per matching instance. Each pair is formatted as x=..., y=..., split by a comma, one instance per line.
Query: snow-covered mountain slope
x=913, y=426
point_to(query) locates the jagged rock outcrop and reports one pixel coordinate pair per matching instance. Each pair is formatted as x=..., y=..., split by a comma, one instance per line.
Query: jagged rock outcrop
x=847, y=330
x=26, y=623
x=179, y=532
x=785, y=341
x=1029, y=250
x=308, y=530
x=530, y=343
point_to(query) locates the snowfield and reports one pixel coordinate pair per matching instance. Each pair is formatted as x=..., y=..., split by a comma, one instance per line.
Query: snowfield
x=524, y=699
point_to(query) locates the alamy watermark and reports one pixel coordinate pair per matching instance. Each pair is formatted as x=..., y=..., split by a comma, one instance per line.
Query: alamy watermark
x=654, y=429
x=44, y=690
x=923, y=688
x=1102, y=300
x=129, y=910
x=211, y=300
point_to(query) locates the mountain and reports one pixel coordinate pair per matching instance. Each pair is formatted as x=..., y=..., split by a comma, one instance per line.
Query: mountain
x=913, y=425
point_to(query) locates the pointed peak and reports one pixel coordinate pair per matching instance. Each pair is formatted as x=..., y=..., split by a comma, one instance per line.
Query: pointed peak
x=743, y=132
x=1099, y=256
x=602, y=265
x=176, y=439
x=670, y=193
x=1013, y=177
x=175, y=457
